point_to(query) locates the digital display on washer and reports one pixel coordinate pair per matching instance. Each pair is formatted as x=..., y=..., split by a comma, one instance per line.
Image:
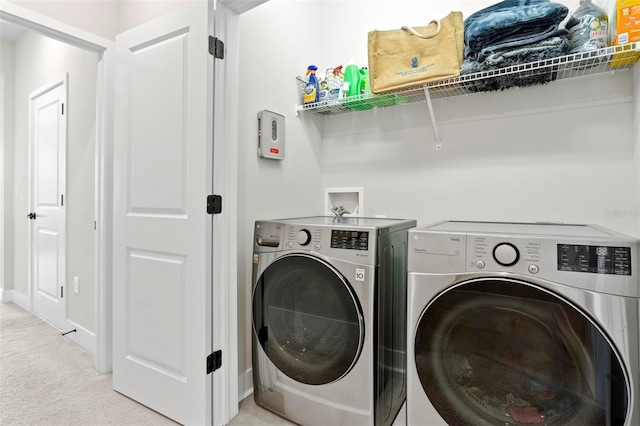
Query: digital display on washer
x=350, y=240
x=594, y=259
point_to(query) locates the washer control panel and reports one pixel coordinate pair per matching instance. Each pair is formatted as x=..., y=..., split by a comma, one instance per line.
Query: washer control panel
x=352, y=243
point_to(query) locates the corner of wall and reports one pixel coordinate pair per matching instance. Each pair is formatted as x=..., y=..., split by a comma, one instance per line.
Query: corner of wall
x=245, y=384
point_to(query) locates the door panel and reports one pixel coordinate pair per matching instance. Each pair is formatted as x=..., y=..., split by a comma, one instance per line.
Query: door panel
x=161, y=310
x=48, y=133
x=161, y=279
x=158, y=114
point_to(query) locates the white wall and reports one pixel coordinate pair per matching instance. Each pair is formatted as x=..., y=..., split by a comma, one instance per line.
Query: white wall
x=39, y=61
x=560, y=152
x=6, y=158
x=502, y=158
x=273, y=50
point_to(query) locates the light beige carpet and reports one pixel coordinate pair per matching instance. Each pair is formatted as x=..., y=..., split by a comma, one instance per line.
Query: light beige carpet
x=46, y=379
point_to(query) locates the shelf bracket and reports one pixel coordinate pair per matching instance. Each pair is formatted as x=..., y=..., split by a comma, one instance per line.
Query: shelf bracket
x=427, y=96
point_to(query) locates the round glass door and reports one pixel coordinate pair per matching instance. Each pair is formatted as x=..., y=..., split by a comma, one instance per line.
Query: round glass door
x=307, y=319
x=505, y=352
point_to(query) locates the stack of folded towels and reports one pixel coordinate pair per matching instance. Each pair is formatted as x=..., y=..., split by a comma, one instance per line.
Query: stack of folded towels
x=510, y=33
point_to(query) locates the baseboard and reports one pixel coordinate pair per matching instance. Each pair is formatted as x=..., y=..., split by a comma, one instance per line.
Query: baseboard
x=82, y=337
x=21, y=300
x=245, y=384
x=6, y=296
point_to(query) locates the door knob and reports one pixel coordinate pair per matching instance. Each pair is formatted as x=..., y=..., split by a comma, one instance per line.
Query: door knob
x=32, y=215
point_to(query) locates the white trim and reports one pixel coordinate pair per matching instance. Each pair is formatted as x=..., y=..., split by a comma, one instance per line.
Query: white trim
x=20, y=299
x=6, y=296
x=104, y=207
x=225, y=225
x=2, y=183
x=245, y=384
x=104, y=141
x=241, y=6
x=82, y=337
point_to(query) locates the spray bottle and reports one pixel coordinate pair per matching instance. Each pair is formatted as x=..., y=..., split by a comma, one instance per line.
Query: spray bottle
x=312, y=89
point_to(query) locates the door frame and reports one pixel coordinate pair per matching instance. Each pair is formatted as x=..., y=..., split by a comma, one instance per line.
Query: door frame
x=2, y=183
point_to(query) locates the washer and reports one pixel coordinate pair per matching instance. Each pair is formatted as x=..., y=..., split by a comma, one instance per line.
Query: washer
x=329, y=329
x=512, y=324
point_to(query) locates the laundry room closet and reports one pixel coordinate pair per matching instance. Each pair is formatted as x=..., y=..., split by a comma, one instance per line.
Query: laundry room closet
x=566, y=151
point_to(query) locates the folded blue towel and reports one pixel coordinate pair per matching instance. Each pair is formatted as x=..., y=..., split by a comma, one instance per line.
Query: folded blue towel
x=546, y=49
x=511, y=20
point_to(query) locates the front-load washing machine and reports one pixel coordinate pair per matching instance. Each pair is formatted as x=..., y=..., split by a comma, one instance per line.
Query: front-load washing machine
x=519, y=324
x=329, y=319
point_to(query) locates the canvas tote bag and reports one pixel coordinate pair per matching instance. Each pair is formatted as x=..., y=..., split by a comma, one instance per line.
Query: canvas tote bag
x=416, y=55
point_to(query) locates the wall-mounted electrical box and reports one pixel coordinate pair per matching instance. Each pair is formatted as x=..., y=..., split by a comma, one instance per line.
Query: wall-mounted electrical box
x=344, y=201
x=271, y=135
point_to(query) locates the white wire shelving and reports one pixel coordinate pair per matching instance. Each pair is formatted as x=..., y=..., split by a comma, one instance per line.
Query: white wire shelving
x=610, y=59
x=607, y=60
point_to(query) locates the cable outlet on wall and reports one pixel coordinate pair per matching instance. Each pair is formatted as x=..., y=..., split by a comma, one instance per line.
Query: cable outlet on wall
x=76, y=285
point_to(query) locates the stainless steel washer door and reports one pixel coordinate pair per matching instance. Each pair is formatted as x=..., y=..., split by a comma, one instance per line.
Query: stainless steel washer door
x=506, y=352
x=307, y=319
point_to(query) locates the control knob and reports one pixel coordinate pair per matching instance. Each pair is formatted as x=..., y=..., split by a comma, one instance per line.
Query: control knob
x=506, y=254
x=303, y=237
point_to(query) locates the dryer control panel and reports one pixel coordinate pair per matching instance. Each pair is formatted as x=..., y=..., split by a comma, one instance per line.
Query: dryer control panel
x=594, y=259
x=608, y=265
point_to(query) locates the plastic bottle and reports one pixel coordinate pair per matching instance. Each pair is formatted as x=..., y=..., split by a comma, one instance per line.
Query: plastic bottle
x=365, y=87
x=312, y=89
x=335, y=82
x=352, y=76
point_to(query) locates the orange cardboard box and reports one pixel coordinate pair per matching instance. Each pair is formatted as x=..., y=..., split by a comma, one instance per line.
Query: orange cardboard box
x=627, y=31
x=627, y=21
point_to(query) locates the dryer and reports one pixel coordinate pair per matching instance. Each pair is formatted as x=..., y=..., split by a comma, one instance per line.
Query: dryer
x=512, y=323
x=329, y=329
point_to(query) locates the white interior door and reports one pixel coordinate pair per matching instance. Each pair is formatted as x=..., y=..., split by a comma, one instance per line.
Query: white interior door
x=47, y=231
x=161, y=278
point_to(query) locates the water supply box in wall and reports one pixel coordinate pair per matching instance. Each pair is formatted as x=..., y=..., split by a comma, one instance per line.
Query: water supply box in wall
x=271, y=135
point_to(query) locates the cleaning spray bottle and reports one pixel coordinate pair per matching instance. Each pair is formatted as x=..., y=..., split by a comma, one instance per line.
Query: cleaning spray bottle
x=335, y=82
x=311, y=90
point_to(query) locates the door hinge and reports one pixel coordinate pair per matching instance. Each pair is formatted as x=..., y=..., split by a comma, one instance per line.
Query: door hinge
x=214, y=204
x=61, y=292
x=214, y=361
x=216, y=47
x=62, y=109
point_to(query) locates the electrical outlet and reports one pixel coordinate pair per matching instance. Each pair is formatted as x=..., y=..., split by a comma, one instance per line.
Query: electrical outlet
x=76, y=285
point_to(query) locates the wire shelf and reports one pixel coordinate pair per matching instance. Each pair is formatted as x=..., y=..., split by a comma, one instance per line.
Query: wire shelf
x=534, y=73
